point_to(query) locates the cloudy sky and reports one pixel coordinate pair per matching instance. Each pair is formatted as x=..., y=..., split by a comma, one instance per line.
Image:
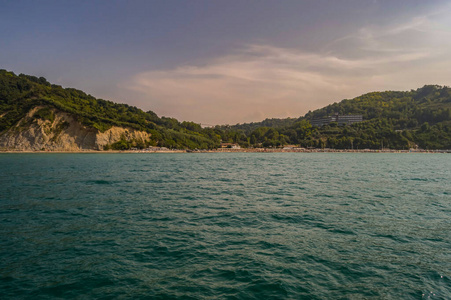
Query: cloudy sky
x=229, y=61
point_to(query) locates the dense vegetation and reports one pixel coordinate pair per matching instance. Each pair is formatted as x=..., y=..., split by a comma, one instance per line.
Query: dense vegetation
x=397, y=120
x=247, y=128
x=19, y=94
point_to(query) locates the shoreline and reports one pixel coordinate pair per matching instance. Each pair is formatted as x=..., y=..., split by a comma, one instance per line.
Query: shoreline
x=244, y=150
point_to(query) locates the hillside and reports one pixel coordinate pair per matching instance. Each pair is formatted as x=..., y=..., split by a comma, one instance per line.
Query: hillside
x=37, y=114
x=397, y=120
x=247, y=128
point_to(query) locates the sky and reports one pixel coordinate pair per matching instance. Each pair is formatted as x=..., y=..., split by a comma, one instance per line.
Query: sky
x=229, y=61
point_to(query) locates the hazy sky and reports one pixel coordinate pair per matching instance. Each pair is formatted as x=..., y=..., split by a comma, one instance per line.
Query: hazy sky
x=227, y=62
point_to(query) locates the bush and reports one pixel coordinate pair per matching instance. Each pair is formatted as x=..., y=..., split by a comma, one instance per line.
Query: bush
x=121, y=145
x=45, y=114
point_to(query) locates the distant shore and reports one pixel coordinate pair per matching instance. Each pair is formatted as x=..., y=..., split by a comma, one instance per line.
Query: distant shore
x=242, y=150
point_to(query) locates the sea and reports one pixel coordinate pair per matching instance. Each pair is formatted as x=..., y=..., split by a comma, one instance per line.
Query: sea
x=225, y=226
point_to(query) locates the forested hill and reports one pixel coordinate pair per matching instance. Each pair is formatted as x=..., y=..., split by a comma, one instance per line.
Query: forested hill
x=247, y=128
x=19, y=94
x=431, y=103
x=398, y=120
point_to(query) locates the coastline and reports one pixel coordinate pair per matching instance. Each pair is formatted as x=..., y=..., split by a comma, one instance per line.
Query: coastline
x=243, y=150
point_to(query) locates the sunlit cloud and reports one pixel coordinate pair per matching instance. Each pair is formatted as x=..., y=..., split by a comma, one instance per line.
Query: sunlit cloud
x=260, y=81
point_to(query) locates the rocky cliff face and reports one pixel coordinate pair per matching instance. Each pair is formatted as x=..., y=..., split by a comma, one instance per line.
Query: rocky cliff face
x=62, y=132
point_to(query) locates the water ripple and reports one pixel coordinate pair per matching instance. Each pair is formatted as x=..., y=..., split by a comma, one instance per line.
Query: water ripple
x=225, y=226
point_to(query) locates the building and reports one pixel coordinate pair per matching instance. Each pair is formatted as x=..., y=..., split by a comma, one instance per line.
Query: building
x=340, y=119
x=230, y=146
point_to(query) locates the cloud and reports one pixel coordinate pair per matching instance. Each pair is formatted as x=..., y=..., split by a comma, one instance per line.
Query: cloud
x=260, y=81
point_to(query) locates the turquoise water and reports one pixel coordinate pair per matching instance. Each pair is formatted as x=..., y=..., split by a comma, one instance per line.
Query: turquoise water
x=225, y=226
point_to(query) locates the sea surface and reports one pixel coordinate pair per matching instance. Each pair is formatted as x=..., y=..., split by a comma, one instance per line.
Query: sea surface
x=225, y=226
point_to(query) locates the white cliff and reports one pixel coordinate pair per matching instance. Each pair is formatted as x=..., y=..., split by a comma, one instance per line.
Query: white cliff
x=63, y=133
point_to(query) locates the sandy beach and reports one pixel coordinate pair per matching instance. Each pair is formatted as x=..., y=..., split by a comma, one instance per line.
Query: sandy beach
x=243, y=150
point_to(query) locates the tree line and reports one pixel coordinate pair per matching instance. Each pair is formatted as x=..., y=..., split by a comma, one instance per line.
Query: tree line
x=392, y=119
